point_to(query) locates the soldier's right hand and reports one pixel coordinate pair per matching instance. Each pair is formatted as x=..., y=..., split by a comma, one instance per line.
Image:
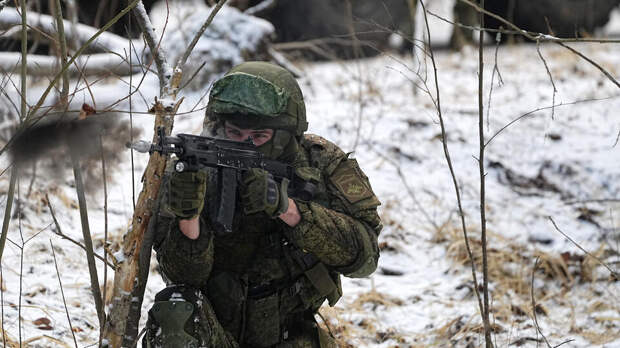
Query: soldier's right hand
x=186, y=193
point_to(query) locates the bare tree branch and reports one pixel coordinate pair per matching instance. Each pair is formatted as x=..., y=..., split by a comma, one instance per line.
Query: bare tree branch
x=62, y=292
x=64, y=93
x=105, y=227
x=164, y=70
x=603, y=70
x=449, y=162
x=532, y=112
x=7, y=209
x=555, y=90
x=81, y=33
x=544, y=37
x=59, y=233
x=88, y=243
x=198, y=35
x=483, y=220
x=534, y=304
x=79, y=52
x=15, y=170
x=499, y=75
x=613, y=273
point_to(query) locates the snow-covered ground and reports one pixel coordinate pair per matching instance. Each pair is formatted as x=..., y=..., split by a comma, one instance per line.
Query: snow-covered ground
x=556, y=163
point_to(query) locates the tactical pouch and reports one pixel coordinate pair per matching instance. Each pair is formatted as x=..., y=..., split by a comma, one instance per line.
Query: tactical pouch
x=263, y=321
x=227, y=294
x=172, y=319
x=172, y=316
x=322, y=286
x=321, y=280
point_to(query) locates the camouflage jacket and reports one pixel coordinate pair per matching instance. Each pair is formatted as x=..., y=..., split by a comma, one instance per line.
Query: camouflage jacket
x=264, y=257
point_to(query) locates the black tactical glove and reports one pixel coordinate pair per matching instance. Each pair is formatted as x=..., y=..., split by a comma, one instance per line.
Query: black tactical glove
x=261, y=192
x=186, y=193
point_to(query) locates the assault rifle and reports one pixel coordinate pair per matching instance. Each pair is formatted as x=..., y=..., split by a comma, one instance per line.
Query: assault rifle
x=231, y=159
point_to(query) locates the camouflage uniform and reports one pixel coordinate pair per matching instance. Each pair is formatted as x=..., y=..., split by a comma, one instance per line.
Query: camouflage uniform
x=261, y=285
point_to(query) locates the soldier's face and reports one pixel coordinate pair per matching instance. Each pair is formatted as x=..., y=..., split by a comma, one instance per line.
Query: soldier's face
x=258, y=136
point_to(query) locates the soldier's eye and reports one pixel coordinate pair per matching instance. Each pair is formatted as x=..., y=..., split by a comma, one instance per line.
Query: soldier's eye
x=231, y=131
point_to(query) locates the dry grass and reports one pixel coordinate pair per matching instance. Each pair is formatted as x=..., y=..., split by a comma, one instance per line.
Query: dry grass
x=568, y=280
x=351, y=333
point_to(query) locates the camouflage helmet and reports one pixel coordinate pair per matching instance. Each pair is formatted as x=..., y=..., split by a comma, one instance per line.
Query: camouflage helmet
x=259, y=94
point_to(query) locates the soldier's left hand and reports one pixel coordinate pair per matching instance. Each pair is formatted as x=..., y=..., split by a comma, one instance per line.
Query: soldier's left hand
x=261, y=193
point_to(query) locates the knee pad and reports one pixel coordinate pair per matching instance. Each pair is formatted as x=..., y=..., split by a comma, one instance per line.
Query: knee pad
x=173, y=318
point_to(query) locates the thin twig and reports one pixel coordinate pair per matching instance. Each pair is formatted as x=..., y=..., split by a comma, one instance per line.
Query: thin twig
x=142, y=332
x=563, y=343
x=62, y=54
x=62, y=292
x=530, y=113
x=39, y=103
x=534, y=304
x=198, y=35
x=164, y=70
x=24, y=65
x=79, y=52
x=105, y=227
x=8, y=209
x=449, y=162
x=15, y=170
x=88, y=242
x=613, y=273
x=34, y=176
x=21, y=262
x=602, y=200
x=498, y=39
x=133, y=171
x=603, y=70
x=483, y=220
x=555, y=90
x=543, y=37
x=59, y=233
x=38, y=233
x=2, y=304
x=193, y=75
x=530, y=34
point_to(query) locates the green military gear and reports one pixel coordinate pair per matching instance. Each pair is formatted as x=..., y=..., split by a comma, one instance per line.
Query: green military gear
x=241, y=92
x=261, y=193
x=259, y=93
x=266, y=280
x=186, y=193
x=171, y=316
x=183, y=318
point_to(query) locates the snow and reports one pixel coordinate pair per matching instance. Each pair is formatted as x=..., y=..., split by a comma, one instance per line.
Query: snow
x=10, y=17
x=231, y=38
x=421, y=294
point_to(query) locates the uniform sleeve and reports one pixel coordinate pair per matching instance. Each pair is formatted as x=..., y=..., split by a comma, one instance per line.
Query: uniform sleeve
x=343, y=236
x=182, y=260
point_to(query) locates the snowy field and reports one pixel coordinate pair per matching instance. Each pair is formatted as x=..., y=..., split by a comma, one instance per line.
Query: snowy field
x=556, y=163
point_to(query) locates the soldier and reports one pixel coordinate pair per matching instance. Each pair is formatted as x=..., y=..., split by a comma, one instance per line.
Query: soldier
x=262, y=284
